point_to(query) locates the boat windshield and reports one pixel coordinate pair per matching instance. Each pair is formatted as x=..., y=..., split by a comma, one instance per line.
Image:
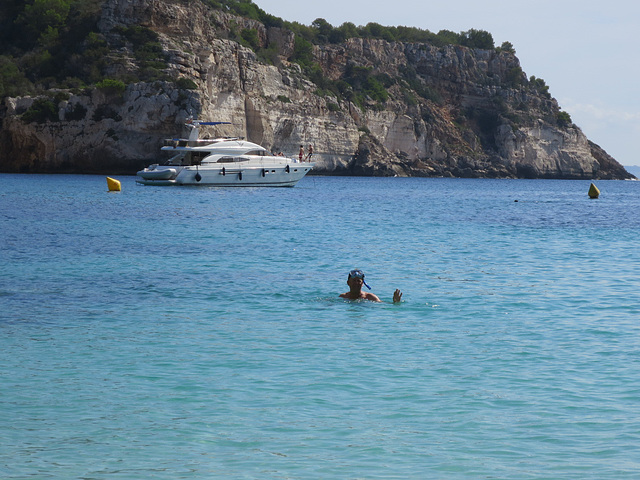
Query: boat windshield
x=175, y=160
x=188, y=158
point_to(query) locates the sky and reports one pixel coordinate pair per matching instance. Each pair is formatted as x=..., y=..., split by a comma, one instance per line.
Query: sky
x=588, y=53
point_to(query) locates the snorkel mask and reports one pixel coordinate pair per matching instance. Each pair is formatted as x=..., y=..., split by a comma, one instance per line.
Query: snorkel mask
x=358, y=274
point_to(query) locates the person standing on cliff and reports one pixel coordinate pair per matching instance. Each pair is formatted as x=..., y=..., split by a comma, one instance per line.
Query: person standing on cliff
x=309, y=153
x=301, y=153
x=355, y=280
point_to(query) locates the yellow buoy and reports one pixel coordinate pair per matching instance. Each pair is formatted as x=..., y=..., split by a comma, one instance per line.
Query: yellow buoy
x=113, y=184
x=593, y=191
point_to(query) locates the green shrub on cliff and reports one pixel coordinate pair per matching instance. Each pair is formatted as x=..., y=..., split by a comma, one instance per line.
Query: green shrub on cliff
x=184, y=83
x=539, y=85
x=143, y=41
x=365, y=84
x=247, y=9
x=412, y=79
x=358, y=85
x=147, y=50
x=507, y=47
x=563, y=119
x=111, y=86
x=302, y=52
x=375, y=30
x=515, y=76
x=477, y=39
x=41, y=21
x=269, y=55
x=250, y=38
x=42, y=110
x=75, y=112
x=12, y=80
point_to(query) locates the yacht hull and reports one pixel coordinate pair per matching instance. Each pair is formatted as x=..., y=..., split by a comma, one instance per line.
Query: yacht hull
x=263, y=176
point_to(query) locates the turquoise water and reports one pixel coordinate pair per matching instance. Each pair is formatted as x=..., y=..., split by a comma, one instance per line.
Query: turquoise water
x=196, y=333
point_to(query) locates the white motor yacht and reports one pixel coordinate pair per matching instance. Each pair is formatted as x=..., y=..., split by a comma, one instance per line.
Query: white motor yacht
x=224, y=162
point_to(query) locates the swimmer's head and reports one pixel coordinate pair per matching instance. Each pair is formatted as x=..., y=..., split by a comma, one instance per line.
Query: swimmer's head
x=358, y=274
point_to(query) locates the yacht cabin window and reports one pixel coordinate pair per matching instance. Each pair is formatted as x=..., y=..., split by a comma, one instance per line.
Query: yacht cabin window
x=232, y=159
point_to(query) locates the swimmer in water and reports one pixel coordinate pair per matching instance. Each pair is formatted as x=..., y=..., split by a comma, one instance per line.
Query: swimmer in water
x=355, y=280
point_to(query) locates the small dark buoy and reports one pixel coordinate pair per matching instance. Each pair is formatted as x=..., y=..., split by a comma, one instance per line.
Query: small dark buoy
x=198, y=177
x=516, y=201
x=593, y=191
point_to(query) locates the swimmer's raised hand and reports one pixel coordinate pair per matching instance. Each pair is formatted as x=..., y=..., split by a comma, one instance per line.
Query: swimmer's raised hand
x=397, y=296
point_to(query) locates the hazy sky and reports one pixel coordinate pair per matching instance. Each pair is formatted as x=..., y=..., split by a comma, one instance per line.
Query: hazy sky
x=588, y=53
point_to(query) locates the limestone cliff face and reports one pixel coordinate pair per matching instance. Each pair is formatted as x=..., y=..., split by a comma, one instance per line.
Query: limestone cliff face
x=450, y=111
x=116, y=134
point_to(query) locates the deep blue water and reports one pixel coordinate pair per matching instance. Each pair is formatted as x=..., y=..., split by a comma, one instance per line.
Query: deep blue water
x=196, y=333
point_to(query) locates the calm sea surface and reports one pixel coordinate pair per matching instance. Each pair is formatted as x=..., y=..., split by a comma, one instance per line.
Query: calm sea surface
x=197, y=333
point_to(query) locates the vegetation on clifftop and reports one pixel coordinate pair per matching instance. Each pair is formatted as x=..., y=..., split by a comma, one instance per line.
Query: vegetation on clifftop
x=321, y=32
x=48, y=44
x=56, y=44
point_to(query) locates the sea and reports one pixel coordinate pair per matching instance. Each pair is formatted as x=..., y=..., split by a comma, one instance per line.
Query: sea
x=197, y=333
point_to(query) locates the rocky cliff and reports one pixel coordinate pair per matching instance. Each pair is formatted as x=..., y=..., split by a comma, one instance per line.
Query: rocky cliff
x=445, y=110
